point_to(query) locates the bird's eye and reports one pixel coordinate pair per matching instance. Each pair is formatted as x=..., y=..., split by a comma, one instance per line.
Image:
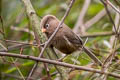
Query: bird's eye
x=46, y=26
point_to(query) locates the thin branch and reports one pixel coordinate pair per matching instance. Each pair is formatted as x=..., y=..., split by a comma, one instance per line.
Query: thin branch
x=117, y=2
x=3, y=34
x=58, y=27
x=15, y=47
x=25, y=44
x=109, y=3
x=46, y=44
x=11, y=76
x=79, y=22
x=117, y=19
x=47, y=71
x=58, y=69
x=22, y=30
x=109, y=15
x=34, y=21
x=19, y=42
x=108, y=61
x=98, y=34
x=95, y=19
x=21, y=74
x=1, y=21
x=58, y=63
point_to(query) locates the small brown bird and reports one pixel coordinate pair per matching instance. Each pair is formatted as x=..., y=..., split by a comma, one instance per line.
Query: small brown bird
x=65, y=39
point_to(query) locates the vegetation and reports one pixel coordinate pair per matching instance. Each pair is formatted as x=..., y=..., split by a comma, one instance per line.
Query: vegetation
x=20, y=34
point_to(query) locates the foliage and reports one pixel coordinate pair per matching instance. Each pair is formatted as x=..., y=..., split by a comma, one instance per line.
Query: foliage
x=17, y=28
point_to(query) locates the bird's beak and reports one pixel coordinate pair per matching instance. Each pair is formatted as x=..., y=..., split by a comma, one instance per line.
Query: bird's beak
x=43, y=30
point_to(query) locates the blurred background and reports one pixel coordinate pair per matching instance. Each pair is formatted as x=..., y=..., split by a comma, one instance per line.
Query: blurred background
x=87, y=18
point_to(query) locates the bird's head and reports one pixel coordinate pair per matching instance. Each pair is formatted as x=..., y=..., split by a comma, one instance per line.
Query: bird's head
x=48, y=24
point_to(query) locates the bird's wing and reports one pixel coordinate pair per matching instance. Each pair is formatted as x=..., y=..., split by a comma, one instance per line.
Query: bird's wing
x=74, y=39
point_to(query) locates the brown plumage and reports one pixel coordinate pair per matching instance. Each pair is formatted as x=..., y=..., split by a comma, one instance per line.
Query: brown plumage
x=65, y=39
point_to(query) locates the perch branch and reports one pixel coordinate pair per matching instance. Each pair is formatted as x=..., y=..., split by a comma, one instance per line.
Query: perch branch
x=58, y=63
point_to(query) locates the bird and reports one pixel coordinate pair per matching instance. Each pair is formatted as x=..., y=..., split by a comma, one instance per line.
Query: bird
x=65, y=39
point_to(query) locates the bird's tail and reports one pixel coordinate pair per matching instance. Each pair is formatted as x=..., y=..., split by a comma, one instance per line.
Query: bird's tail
x=92, y=56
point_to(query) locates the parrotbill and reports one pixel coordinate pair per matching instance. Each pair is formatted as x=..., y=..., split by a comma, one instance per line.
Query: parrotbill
x=65, y=39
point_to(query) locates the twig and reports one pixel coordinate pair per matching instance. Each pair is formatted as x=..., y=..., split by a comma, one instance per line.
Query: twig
x=18, y=42
x=117, y=10
x=34, y=21
x=11, y=76
x=22, y=29
x=117, y=19
x=98, y=34
x=15, y=47
x=109, y=15
x=54, y=52
x=47, y=71
x=58, y=63
x=46, y=78
x=18, y=69
x=77, y=56
x=79, y=23
x=36, y=27
x=58, y=27
x=2, y=26
x=109, y=59
x=95, y=19
x=1, y=21
x=117, y=2
x=25, y=44
x=55, y=66
x=46, y=44
x=3, y=33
